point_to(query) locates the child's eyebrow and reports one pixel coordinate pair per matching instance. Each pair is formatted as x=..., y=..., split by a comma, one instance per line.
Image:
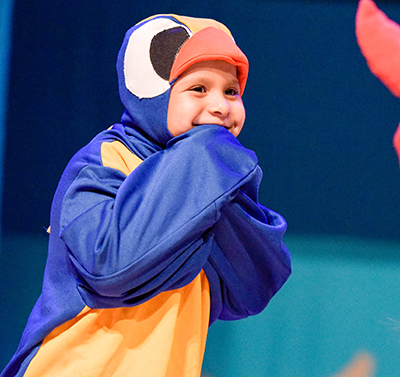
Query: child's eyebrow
x=234, y=82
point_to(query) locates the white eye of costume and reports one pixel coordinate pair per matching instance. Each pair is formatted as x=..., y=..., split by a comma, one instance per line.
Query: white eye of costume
x=149, y=56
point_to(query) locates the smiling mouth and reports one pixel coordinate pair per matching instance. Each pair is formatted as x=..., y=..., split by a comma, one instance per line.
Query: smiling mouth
x=216, y=124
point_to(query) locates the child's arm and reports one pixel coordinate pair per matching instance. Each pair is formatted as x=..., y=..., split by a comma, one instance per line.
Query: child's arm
x=248, y=263
x=133, y=237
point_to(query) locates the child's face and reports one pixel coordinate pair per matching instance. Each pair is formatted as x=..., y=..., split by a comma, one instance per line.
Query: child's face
x=206, y=93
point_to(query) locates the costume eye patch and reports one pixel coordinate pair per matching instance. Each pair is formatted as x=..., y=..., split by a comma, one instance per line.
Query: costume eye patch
x=164, y=47
x=149, y=56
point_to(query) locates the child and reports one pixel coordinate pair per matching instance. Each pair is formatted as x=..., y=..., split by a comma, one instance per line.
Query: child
x=156, y=231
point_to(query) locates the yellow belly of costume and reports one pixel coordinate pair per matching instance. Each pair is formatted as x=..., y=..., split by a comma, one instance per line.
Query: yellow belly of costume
x=164, y=336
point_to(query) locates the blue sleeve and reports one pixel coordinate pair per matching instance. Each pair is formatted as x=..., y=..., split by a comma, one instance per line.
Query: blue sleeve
x=248, y=263
x=132, y=237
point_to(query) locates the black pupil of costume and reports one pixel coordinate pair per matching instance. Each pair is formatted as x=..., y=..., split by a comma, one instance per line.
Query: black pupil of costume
x=164, y=47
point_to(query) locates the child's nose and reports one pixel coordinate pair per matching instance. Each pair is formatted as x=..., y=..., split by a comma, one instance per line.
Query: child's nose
x=219, y=106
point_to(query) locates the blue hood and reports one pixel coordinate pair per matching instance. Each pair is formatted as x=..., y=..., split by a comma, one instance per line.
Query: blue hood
x=146, y=68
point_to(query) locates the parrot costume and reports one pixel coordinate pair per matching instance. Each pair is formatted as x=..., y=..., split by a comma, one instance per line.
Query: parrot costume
x=379, y=41
x=153, y=237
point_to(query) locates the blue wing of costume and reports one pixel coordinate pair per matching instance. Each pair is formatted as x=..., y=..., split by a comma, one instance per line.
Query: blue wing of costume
x=150, y=232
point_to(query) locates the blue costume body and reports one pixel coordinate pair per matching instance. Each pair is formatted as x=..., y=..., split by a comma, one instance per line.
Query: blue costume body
x=144, y=225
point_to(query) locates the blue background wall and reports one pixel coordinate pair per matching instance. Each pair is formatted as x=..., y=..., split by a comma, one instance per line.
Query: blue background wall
x=322, y=128
x=5, y=31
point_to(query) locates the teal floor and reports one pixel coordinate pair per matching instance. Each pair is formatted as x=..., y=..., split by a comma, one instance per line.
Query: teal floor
x=342, y=298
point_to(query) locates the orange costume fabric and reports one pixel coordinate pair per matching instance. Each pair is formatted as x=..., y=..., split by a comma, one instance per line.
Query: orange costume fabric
x=379, y=41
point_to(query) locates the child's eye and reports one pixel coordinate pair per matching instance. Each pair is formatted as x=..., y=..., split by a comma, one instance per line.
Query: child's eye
x=198, y=89
x=231, y=92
